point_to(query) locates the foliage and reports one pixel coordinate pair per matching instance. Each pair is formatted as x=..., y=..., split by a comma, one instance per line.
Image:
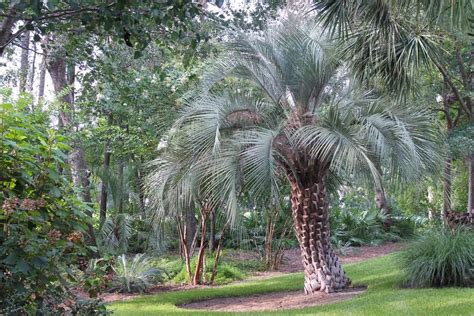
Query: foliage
x=97, y=277
x=225, y=272
x=355, y=222
x=42, y=223
x=383, y=297
x=440, y=258
x=135, y=275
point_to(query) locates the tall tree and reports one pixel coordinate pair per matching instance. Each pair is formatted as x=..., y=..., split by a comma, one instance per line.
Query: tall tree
x=391, y=41
x=296, y=118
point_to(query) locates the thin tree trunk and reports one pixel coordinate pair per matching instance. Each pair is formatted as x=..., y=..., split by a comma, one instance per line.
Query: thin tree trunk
x=310, y=208
x=42, y=79
x=470, y=195
x=31, y=74
x=447, y=188
x=184, y=248
x=25, y=43
x=103, y=188
x=218, y=253
x=120, y=186
x=202, y=248
x=212, y=232
x=191, y=228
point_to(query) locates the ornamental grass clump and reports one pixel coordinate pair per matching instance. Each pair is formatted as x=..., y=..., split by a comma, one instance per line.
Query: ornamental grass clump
x=441, y=258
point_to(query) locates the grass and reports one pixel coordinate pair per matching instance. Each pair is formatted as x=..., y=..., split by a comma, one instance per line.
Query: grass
x=383, y=297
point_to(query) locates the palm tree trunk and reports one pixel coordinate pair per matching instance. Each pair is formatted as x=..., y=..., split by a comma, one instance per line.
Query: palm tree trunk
x=310, y=208
x=382, y=205
x=212, y=232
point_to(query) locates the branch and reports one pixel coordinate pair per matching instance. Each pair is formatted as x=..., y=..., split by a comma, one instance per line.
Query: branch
x=15, y=35
x=455, y=90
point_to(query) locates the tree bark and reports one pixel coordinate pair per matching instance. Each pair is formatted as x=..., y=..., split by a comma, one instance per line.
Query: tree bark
x=25, y=43
x=191, y=228
x=57, y=69
x=42, y=79
x=103, y=188
x=310, y=208
x=202, y=248
x=382, y=205
x=470, y=195
x=6, y=31
x=212, y=231
x=120, y=186
x=31, y=74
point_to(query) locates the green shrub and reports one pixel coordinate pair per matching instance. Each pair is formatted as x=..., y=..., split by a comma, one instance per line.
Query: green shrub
x=226, y=273
x=440, y=258
x=135, y=275
x=42, y=222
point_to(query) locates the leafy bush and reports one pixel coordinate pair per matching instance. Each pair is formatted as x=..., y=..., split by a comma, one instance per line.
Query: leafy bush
x=226, y=273
x=135, y=275
x=42, y=223
x=355, y=222
x=440, y=258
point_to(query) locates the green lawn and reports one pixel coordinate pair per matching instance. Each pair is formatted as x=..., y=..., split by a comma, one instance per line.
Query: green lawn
x=383, y=297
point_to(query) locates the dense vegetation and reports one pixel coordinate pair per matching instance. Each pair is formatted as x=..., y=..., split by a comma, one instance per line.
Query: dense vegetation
x=150, y=143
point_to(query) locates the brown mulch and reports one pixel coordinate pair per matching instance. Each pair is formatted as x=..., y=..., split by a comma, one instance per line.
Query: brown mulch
x=291, y=263
x=273, y=301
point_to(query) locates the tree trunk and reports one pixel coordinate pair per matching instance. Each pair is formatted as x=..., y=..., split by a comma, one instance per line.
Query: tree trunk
x=212, y=232
x=6, y=29
x=382, y=205
x=191, y=228
x=80, y=174
x=470, y=195
x=25, y=43
x=310, y=208
x=120, y=187
x=103, y=188
x=202, y=248
x=42, y=79
x=31, y=74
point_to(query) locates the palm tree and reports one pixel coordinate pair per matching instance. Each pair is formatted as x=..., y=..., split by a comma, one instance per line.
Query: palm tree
x=296, y=113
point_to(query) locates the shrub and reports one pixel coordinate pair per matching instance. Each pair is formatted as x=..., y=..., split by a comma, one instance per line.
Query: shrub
x=440, y=258
x=42, y=223
x=135, y=275
x=226, y=273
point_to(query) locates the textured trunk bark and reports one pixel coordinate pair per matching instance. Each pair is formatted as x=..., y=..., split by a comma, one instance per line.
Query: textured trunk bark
x=25, y=43
x=447, y=188
x=309, y=203
x=6, y=28
x=42, y=79
x=57, y=69
x=202, y=249
x=120, y=187
x=191, y=228
x=103, y=188
x=470, y=196
x=212, y=232
x=382, y=205
x=32, y=72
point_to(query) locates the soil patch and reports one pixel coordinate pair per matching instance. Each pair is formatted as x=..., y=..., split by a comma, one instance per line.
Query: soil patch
x=292, y=258
x=273, y=301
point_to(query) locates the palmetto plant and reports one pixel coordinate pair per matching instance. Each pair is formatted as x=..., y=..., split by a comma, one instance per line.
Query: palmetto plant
x=134, y=274
x=298, y=115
